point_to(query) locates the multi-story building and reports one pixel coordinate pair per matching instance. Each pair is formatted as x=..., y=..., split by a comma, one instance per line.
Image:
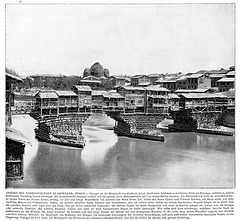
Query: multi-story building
x=134, y=97
x=169, y=84
x=155, y=77
x=140, y=81
x=156, y=99
x=15, y=141
x=117, y=81
x=216, y=75
x=91, y=81
x=47, y=103
x=67, y=101
x=84, y=97
x=200, y=79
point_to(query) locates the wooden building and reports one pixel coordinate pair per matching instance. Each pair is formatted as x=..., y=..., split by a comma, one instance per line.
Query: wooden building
x=114, y=100
x=169, y=84
x=67, y=101
x=47, y=103
x=173, y=102
x=91, y=81
x=203, y=102
x=225, y=84
x=84, y=97
x=156, y=99
x=200, y=79
x=140, y=81
x=154, y=77
x=134, y=97
x=117, y=81
x=15, y=141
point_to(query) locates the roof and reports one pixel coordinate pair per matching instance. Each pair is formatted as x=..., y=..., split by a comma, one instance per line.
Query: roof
x=222, y=71
x=144, y=84
x=90, y=78
x=47, y=75
x=202, y=95
x=47, y=94
x=114, y=95
x=173, y=96
x=226, y=79
x=165, y=81
x=119, y=77
x=139, y=76
x=199, y=90
x=229, y=93
x=91, y=81
x=231, y=73
x=217, y=75
x=82, y=88
x=99, y=93
x=184, y=77
x=133, y=88
x=65, y=93
x=156, y=88
x=15, y=135
x=154, y=75
x=13, y=77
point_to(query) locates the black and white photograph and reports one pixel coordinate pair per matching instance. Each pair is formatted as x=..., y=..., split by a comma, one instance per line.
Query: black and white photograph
x=120, y=96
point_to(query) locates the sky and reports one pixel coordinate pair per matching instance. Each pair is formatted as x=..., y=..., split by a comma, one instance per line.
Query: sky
x=126, y=39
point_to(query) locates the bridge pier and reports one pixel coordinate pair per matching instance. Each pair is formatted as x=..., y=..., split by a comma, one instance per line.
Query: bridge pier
x=134, y=122
x=65, y=129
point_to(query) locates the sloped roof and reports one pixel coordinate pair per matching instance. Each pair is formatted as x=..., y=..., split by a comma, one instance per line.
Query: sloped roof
x=13, y=77
x=133, y=88
x=199, y=90
x=225, y=79
x=99, y=93
x=229, y=93
x=82, y=88
x=221, y=71
x=15, y=135
x=184, y=77
x=156, y=88
x=114, y=95
x=173, y=96
x=91, y=81
x=217, y=75
x=231, y=73
x=203, y=95
x=46, y=94
x=139, y=76
x=154, y=75
x=66, y=93
x=165, y=81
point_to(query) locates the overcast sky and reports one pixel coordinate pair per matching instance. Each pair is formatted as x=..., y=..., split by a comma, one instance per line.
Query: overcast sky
x=126, y=39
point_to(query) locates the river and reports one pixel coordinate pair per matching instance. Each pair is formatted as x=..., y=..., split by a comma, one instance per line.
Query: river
x=184, y=160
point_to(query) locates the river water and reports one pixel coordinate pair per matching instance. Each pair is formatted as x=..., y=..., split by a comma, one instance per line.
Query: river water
x=184, y=160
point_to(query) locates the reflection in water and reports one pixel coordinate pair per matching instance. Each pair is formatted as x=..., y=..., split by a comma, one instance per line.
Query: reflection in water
x=107, y=161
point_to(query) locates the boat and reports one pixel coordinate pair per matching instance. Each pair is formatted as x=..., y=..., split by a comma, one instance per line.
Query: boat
x=215, y=131
x=65, y=140
x=139, y=135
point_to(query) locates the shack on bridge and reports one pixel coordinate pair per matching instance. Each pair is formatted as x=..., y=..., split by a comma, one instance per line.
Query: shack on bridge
x=47, y=103
x=84, y=94
x=156, y=99
x=134, y=98
x=203, y=102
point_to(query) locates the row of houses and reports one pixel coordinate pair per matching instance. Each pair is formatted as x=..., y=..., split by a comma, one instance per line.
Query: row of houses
x=151, y=99
x=221, y=80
